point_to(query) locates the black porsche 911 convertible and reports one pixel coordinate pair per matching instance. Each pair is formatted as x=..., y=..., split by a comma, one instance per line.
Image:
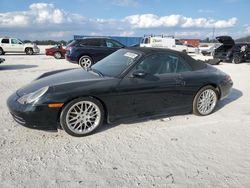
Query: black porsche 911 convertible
x=130, y=83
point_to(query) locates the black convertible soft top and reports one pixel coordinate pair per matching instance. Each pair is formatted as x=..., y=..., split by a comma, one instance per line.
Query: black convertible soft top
x=196, y=65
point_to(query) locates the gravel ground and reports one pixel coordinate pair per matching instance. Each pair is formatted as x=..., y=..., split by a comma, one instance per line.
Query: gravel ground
x=179, y=151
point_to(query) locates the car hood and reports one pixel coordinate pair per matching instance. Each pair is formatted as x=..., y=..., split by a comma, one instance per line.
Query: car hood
x=226, y=40
x=58, y=78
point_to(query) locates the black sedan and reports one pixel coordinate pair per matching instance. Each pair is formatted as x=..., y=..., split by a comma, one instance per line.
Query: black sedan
x=130, y=83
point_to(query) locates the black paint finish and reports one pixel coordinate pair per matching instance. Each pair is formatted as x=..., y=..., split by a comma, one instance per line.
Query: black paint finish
x=123, y=97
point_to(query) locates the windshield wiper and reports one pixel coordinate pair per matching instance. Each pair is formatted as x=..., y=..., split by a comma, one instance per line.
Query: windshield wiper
x=96, y=71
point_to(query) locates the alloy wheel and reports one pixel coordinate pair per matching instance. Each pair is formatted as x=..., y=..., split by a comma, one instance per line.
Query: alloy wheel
x=85, y=62
x=206, y=101
x=83, y=117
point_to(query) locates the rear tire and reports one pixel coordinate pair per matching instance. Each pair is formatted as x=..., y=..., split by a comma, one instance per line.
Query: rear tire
x=82, y=116
x=1, y=51
x=236, y=59
x=205, y=101
x=85, y=62
x=29, y=51
x=58, y=55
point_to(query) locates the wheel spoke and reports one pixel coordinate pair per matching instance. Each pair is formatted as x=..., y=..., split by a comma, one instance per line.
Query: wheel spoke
x=206, y=101
x=83, y=117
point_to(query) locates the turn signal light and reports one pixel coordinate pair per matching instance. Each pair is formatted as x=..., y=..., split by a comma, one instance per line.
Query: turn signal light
x=55, y=105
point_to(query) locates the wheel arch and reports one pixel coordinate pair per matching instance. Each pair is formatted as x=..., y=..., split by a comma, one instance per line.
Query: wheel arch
x=85, y=54
x=28, y=47
x=214, y=85
x=90, y=96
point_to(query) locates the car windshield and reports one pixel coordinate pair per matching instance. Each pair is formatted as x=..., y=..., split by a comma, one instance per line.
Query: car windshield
x=116, y=63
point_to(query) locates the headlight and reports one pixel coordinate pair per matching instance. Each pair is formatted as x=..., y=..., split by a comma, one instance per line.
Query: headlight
x=34, y=96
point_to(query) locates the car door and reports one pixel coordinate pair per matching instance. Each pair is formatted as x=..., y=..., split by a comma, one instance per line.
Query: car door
x=5, y=43
x=160, y=90
x=16, y=45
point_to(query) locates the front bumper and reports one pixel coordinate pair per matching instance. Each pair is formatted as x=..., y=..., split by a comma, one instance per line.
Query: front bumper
x=36, y=50
x=37, y=117
x=48, y=53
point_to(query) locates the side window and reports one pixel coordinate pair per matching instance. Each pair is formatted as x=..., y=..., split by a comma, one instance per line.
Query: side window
x=146, y=41
x=95, y=42
x=112, y=44
x=90, y=42
x=163, y=63
x=5, y=41
x=14, y=41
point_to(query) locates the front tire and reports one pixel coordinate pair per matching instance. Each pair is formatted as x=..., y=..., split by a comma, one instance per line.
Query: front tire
x=82, y=116
x=58, y=55
x=29, y=51
x=205, y=101
x=85, y=62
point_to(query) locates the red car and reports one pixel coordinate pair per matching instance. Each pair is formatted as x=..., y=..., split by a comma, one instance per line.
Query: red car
x=57, y=51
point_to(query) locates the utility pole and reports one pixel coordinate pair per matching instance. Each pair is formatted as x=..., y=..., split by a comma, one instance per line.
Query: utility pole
x=213, y=33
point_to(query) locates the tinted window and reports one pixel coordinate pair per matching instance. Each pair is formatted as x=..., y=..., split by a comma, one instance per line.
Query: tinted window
x=116, y=63
x=6, y=41
x=91, y=42
x=113, y=44
x=163, y=63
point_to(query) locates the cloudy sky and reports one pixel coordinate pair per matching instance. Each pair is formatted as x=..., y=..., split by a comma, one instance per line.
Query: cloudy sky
x=61, y=19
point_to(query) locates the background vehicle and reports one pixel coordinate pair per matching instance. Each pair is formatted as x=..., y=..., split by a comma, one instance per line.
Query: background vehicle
x=57, y=51
x=2, y=60
x=240, y=53
x=191, y=48
x=230, y=51
x=88, y=51
x=13, y=45
x=131, y=83
x=208, y=50
x=167, y=42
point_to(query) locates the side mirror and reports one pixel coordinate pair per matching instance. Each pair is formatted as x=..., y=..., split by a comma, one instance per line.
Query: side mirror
x=139, y=74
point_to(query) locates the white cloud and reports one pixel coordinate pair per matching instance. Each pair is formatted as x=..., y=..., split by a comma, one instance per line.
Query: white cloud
x=247, y=30
x=154, y=21
x=38, y=14
x=127, y=33
x=188, y=33
x=205, y=11
x=43, y=20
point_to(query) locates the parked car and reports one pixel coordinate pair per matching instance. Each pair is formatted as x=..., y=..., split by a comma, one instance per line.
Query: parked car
x=2, y=60
x=130, y=83
x=192, y=49
x=230, y=51
x=207, y=50
x=88, y=51
x=13, y=45
x=239, y=53
x=57, y=51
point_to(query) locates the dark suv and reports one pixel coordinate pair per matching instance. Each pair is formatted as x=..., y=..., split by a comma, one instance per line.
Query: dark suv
x=230, y=51
x=88, y=51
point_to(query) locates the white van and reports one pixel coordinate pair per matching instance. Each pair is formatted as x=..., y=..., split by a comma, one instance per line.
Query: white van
x=166, y=42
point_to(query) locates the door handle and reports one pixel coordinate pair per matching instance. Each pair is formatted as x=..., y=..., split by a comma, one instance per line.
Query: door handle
x=180, y=82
